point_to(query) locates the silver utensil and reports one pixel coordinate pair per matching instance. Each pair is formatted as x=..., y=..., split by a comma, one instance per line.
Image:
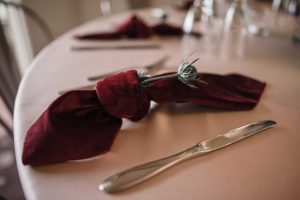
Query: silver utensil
x=148, y=69
x=138, y=174
x=116, y=47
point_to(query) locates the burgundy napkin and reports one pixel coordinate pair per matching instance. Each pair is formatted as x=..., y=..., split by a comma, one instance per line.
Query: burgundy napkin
x=134, y=27
x=83, y=124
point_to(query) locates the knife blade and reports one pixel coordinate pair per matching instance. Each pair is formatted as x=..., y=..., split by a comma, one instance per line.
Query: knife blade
x=140, y=173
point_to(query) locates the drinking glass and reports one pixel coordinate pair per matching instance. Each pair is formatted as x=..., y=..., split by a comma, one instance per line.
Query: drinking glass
x=237, y=15
x=105, y=7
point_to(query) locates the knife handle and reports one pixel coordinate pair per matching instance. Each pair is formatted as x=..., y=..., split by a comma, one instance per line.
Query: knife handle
x=140, y=173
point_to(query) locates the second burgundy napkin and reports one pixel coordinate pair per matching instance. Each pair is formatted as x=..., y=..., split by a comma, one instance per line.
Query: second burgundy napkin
x=134, y=27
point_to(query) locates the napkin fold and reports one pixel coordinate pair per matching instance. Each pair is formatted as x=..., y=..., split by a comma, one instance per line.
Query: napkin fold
x=135, y=28
x=83, y=124
x=75, y=126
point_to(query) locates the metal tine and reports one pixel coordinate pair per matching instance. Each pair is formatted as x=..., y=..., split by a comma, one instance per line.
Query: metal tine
x=147, y=69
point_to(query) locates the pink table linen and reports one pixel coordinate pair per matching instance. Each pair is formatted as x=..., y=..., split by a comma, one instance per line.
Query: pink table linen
x=265, y=166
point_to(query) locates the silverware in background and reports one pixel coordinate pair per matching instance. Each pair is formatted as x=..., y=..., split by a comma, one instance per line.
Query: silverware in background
x=117, y=47
x=148, y=69
x=138, y=174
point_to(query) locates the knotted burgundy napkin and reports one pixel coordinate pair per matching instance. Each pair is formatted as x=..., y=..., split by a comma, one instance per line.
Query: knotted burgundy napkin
x=83, y=124
x=134, y=27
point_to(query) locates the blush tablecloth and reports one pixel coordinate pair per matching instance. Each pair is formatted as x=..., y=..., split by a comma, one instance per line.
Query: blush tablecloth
x=265, y=166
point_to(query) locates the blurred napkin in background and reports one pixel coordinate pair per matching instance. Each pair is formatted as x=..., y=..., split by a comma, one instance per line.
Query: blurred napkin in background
x=135, y=28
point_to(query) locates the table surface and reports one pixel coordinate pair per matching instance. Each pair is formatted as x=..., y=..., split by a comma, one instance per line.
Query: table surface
x=265, y=166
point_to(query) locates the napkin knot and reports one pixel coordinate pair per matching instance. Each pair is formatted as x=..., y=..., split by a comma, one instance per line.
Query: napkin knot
x=123, y=97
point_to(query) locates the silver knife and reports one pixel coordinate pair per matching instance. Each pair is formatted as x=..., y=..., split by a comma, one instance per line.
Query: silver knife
x=140, y=173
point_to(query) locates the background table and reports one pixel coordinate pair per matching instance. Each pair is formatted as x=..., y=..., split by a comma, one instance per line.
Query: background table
x=265, y=166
